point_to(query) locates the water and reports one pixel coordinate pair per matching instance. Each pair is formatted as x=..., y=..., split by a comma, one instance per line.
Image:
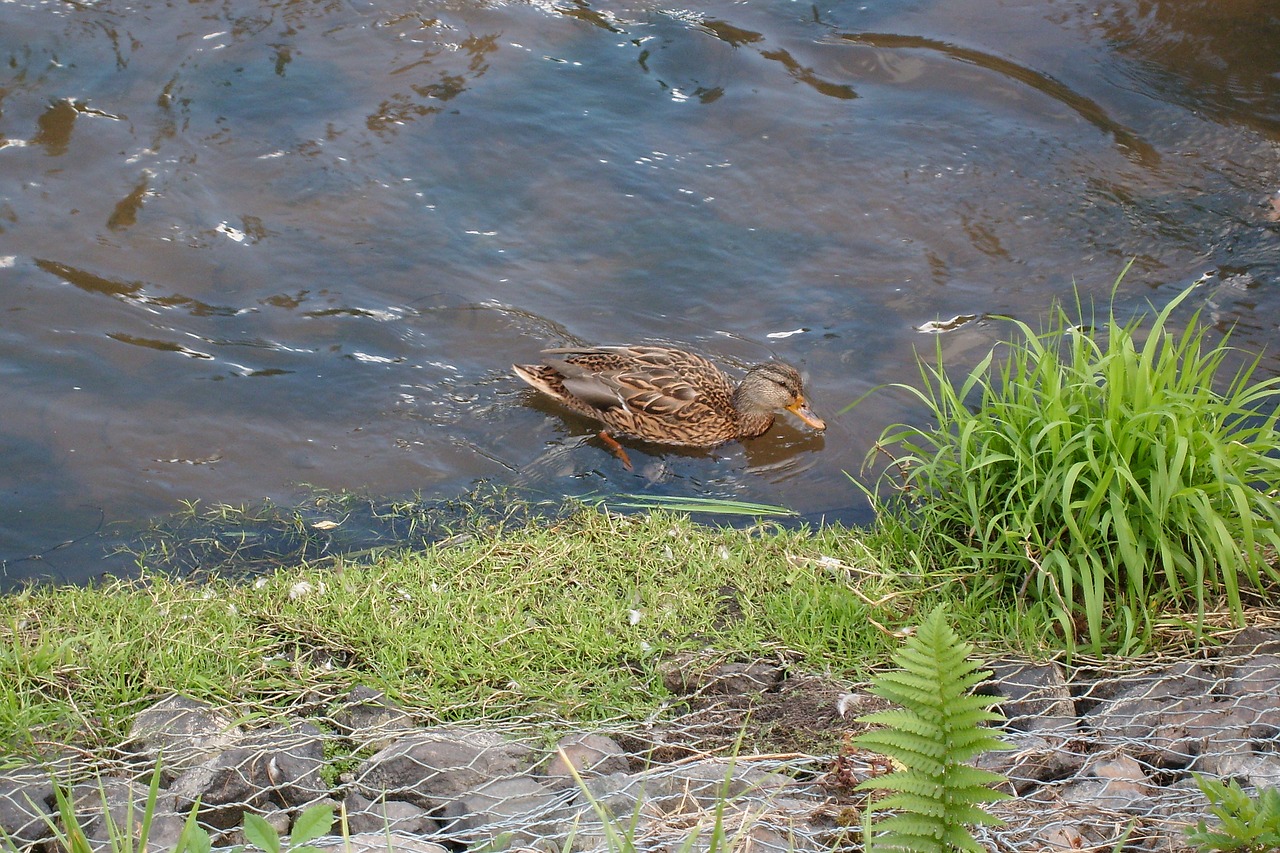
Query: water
x=248, y=247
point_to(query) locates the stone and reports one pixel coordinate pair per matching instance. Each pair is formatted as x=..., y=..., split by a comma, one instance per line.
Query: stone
x=276, y=766
x=26, y=799
x=1254, y=641
x=1053, y=824
x=1115, y=782
x=1033, y=760
x=1033, y=697
x=621, y=795
x=365, y=815
x=179, y=732
x=111, y=806
x=1262, y=770
x=520, y=805
x=587, y=755
x=432, y=767
x=584, y=832
x=684, y=789
x=1149, y=716
x=751, y=832
x=1254, y=684
x=377, y=842
x=277, y=819
x=1214, y=733
x=368, y=719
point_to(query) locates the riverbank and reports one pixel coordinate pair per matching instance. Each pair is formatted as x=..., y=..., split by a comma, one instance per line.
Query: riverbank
x=675, y=640
x=566, y=619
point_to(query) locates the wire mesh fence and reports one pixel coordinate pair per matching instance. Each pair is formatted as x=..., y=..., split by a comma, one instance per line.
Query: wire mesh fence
x=748, y=755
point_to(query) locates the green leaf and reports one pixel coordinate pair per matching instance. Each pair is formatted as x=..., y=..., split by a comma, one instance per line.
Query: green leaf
x=194, y=838
x=260, y=833
x=311, y=824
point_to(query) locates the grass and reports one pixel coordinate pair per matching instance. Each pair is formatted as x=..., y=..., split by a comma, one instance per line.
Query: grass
x=567, y=619
x=1113, y=475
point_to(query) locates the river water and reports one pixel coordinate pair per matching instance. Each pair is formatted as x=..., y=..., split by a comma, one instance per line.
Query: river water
x=249, y=247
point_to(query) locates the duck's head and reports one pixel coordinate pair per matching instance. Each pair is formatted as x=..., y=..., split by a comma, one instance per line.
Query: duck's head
x=769, y=388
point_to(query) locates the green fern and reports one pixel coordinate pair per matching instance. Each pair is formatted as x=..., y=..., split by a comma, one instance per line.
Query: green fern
x=936, y=796
x=1246, y=824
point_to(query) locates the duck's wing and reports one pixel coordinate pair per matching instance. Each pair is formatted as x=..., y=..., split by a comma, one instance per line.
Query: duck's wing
x=653, y=382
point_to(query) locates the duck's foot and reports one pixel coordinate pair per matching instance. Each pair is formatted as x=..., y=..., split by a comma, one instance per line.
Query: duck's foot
x=612, y=444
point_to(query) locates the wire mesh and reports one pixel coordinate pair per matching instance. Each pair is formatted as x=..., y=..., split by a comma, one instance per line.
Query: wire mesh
x=1102, y=759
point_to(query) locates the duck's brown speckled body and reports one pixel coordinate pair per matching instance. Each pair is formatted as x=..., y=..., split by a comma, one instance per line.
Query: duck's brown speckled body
x=667, y=395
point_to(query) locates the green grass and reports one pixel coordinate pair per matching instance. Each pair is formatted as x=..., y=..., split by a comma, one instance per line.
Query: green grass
x=1107, y=477
x=567, y=619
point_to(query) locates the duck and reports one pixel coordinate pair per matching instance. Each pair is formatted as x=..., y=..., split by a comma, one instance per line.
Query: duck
x=666, y=395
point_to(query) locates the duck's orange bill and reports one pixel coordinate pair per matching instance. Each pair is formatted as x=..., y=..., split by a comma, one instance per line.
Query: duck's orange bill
x=802, y=411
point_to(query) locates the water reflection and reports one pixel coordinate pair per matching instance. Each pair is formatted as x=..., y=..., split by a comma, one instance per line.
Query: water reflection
x=952, y=70
x=1218, y=57
x=255, y=244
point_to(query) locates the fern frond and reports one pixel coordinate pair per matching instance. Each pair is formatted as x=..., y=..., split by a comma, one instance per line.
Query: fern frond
x=905, y=833
x=938, y=727
x=916, y=753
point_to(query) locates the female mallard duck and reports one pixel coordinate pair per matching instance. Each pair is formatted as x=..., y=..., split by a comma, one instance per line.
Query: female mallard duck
x=666, y=395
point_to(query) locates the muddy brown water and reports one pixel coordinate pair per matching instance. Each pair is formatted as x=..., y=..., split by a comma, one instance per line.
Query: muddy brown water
x=250, y=245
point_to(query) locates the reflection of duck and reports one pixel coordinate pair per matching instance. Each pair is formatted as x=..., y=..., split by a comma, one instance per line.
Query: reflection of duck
x=666, y=395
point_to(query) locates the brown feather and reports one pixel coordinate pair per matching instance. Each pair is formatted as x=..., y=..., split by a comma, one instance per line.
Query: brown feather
x=666, y=395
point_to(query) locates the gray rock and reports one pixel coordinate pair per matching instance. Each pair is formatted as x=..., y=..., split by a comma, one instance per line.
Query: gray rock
x=433, y=767
x=181, y=732
x=114, y=806
x=584, y=831
x=365, y=815
x=278, y=819
x=1150, y=715
x=1189, y=728
x=26, y=798
x=587, y=755
x=369, y=719
x=521, y=806
x=775, y=823
x=1115, y=782
x=1213, y=733
x=376, y=842
x=277, y=766
x=1178, y=804
x=1254, y=641
x=688, y=788
x=1033, y=760
x=1262, y=770
x=704, y=783
x=621, y=795
x=1033, y=697
x=1120, y=767
x=750, y=834
x=1254, y=685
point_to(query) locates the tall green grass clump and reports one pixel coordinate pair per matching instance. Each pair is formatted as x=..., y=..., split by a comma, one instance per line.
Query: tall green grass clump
x=1109, y=474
